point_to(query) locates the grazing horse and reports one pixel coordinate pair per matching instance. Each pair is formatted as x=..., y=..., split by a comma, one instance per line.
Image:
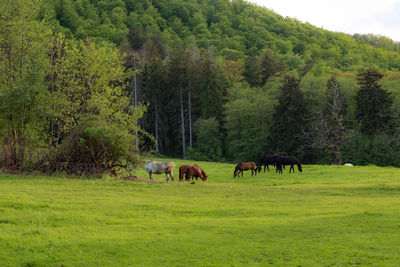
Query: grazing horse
x=287, y=161
x=266, y=160
x=159, y=167
x=245, y=166
x=195, y=171
x=182, y=171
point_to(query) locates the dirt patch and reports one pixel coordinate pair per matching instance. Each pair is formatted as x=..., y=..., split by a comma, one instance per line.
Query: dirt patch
x=140, y=180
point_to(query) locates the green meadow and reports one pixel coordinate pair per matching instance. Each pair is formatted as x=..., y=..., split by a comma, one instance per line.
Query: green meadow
x=324, y=216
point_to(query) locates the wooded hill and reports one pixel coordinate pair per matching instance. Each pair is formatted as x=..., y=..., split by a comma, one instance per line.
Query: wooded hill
x=87, y=83
x=231, y=28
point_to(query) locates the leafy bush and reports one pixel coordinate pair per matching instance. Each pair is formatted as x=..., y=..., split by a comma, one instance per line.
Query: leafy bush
x=93, y=147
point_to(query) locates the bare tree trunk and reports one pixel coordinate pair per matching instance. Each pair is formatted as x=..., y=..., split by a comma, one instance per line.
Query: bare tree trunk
x=157, y=149
x=183, y=124
x=135, y=101
x=190, y=118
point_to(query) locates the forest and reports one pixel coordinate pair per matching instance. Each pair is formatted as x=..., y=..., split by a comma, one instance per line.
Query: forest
x=86, y=86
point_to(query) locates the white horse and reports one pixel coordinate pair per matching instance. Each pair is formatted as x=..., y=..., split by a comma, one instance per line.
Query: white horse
x=159, y=167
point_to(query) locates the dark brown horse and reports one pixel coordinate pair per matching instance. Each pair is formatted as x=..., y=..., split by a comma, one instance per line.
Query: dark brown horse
x=245, y=166
x=195, y=171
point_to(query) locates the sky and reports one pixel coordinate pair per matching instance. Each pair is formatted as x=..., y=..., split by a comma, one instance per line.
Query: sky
x=380, y=17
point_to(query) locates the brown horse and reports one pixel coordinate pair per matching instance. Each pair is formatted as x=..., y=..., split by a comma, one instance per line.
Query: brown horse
x=245, y=166
x=182, y=170
x=195, y=171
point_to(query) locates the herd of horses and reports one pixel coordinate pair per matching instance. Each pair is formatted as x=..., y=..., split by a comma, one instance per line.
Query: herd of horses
x=188, y=172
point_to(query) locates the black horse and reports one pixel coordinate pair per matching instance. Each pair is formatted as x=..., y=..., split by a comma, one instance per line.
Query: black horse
x=266, y=160
x=281, y=161
x=269, y=160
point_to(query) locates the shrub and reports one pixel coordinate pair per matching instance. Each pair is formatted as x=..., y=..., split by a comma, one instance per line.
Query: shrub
x=93, y=147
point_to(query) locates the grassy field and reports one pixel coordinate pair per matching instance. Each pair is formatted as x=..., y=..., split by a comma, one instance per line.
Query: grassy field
x=325, y=216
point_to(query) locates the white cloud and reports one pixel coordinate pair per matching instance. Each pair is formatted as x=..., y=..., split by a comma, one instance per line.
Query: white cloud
x=349, y=16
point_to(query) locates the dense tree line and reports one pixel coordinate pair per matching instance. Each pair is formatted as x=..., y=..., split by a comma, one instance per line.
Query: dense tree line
x=219, y=80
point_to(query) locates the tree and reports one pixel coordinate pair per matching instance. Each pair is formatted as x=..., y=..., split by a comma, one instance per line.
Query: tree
x=270, y=66
x=178, y=77
x=289, y=118
x=329, y=132
x=373, y=104
x=248, y=115
x=22, y=68
x=155, y=85
x=251, y=70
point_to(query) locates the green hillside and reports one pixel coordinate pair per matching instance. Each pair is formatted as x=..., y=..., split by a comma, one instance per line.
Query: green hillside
x=236, y=27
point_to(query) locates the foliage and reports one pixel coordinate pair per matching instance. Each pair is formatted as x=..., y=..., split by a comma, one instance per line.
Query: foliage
x=94, y=147
x=329, y=133
x=373, y=110
x=248, y=122
x=209, y=142
x=50, y=85
x=289, y=118
x=383, y=151
x=236, y=26
x=211, y=65
x=22, y=67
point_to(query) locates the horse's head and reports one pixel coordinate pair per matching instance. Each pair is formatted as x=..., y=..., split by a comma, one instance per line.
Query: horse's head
x=204, y=175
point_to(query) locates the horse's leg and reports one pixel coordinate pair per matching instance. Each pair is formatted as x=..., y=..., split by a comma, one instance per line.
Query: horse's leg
x=172, y=177
x=267, y=167
x=166, y=174
x=151, y=176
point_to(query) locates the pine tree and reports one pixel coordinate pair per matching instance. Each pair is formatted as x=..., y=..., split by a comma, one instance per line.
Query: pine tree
x=270, y=66
x=373, y=105
x=289, y=118
x=251, y=70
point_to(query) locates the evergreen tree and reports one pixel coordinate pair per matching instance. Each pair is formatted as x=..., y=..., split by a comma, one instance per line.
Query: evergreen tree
x=373, y=104
x=270, y=66
x=178, y=76
x=251, y=70
x=289, y=118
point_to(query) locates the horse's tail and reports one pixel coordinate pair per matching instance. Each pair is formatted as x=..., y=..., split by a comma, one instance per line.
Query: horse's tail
x=187, y=173
x=236, y=170
x=180, y=173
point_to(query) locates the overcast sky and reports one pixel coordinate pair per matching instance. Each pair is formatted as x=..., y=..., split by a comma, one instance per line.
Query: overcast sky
x=350, y=16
